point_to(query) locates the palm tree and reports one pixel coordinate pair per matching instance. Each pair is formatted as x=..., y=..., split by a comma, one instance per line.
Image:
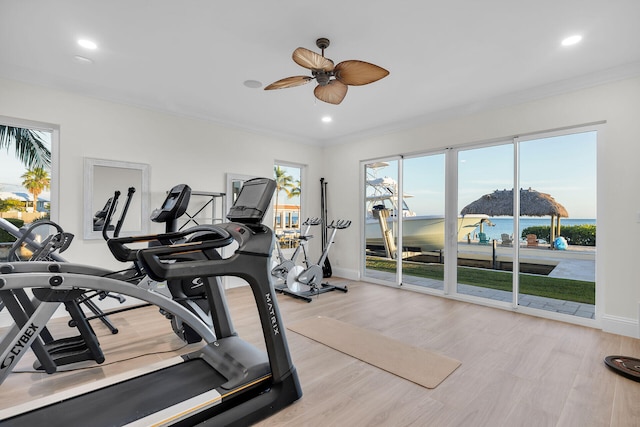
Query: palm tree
x=35, y=181
x=283, y=182
x=30, y=147
x=295, y=191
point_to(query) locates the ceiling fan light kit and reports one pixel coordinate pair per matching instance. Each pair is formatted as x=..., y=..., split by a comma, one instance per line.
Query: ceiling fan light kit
x=333, y=80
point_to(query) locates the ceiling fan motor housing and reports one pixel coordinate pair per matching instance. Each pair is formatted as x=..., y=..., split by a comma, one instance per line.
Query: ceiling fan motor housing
x=322, y=43
x=322, y=77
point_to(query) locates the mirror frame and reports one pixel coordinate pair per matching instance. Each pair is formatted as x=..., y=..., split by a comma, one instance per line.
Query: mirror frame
x=89, y=207
x=231, y=178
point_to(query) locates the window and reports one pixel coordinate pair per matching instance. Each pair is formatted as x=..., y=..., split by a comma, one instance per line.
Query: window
x=286, y=203
x=26, y=178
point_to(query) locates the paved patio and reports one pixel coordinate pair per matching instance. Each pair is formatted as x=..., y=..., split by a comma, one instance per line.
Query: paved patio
x=577, y=269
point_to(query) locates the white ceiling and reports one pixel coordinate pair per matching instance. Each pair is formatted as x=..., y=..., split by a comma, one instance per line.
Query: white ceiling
x=445, y=57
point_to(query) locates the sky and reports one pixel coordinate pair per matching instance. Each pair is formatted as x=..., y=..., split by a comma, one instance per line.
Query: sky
x=10, y=172
x=564, y=167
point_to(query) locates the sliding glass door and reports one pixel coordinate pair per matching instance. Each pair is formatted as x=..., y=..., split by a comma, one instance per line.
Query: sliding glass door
x=382, y=208
x=547, y=225
x=484, y=234
x=423, y=222
x=557, y=227
x=519, y=229
x=405, y=221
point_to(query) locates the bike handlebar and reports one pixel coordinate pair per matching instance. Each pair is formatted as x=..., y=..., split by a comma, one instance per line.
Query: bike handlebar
x=340, y=224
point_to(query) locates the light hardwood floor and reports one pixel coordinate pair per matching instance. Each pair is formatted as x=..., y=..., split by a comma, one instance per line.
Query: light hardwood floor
x=517, y=370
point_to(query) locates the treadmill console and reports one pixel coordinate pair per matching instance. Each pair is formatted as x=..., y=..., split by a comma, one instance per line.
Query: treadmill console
x=253, y=201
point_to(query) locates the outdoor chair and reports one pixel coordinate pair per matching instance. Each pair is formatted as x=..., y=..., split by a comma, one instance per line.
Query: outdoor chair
x=506, y=239
x=532, y=240
x=484, y=240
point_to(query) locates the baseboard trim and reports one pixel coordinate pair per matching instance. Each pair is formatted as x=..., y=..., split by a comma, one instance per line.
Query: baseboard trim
x=621, y=326
x=345, y=273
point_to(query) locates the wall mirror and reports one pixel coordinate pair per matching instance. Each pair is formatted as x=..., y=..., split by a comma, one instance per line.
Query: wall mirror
x=101, y=179
x=234, y=184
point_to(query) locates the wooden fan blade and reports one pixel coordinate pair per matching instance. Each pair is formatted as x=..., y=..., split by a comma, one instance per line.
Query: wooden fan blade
x=311, y=60
x=358, y=73
x=333, y=93
x=289, y=82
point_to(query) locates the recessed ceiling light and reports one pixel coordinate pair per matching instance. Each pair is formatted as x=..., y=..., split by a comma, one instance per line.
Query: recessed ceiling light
x=572, y=40
x=253, y=84
x=327, y=119
x=83, y=59
x=87, y=44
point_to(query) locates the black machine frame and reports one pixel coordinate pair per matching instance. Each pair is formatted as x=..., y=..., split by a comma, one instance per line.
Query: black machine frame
x=231, y=381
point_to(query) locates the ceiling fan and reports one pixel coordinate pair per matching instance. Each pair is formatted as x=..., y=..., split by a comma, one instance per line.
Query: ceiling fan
x=332, y=80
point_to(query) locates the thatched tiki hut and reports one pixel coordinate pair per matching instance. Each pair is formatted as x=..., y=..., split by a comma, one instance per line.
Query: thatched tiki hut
x=532, y=203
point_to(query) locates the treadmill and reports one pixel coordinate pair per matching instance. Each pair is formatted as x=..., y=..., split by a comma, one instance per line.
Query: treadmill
x=227, y=382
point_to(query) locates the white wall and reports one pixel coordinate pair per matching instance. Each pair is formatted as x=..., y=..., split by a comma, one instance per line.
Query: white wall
x=199, y=153
x=616, y=103
x=179, y=150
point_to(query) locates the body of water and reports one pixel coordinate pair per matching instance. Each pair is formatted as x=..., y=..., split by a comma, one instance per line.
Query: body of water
x=505, y=225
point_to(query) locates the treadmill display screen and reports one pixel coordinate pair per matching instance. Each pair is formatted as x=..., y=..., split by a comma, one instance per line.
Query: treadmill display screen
x=253, y=201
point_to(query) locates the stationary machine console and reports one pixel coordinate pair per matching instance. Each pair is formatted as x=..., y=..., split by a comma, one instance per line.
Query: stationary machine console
x=173, y=206
x=253, y=201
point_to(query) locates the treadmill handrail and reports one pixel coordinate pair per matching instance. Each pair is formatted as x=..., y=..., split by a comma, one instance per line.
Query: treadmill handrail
x=152, y=259
x=121, y=252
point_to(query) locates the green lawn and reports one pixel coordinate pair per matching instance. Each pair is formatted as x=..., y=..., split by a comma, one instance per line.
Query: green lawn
x=530, y=284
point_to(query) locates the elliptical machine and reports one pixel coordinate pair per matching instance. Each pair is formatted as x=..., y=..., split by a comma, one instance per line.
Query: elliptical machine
x=189, y=292
x=52, y=353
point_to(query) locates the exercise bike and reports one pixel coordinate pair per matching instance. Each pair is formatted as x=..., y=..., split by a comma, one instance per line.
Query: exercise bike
x=304, y=282
x=281, y=270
